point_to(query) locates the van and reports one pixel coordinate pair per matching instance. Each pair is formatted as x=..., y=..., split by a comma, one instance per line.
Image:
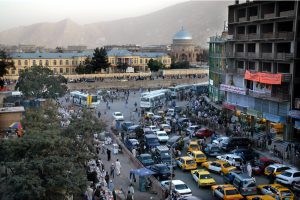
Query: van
x=236, y=142
x=161, y=154
x=245, y=184
x=151, y=141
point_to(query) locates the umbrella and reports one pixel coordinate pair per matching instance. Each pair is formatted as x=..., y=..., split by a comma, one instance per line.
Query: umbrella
x=16, y=125
x=143, y=172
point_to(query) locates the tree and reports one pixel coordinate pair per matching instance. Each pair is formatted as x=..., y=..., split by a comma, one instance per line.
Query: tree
x=39, y=82
x=47, y=162
x=99, y=60
x=155, y=65
x=122, y=66
x=180, y=65
x=87, y=68
x=5, y=63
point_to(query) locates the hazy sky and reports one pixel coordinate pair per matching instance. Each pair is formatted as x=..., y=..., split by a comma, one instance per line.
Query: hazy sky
x=25, y=12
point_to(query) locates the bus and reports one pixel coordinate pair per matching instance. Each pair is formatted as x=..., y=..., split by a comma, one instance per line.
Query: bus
x=84, y=99
x=166, y=92
x=200, y=88
x=152, y=100
x=179, y=88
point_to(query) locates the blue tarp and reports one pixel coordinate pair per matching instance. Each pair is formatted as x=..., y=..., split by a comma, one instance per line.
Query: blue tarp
x=143, y=172
x=274, y=118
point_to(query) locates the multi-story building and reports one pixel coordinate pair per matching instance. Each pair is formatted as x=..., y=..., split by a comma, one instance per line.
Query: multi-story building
x=263, y=73
x=217, y=65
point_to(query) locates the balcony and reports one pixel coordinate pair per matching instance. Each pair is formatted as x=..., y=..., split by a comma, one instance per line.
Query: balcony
x=269, y=16
x=269, y=96
x=240, y=71
x=242, y=19
x=241, y=37
x=230, y=70
x=267, y=35
x=240, y=54
x=284, y=56
x=253, y=36
x=257, y=94
x=252, y=18
x=252, y=55
x=285, y=35
x=286, y=78
x=289, y=13
x=267, y=55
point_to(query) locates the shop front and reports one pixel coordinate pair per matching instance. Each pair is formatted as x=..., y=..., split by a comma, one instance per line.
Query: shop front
x=276, y=126
x=294, y=121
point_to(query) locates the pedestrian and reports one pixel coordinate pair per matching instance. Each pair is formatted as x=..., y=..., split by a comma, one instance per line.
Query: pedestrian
x=111, y=185
x=132, y=176
x=99, y=114
x=89, y=193
x=108, y=152
x=249, y=169
x=131, y=188
x=129, y=196
x=106, y=178
x=134, y=152
x=112, y=170
x=118, y=167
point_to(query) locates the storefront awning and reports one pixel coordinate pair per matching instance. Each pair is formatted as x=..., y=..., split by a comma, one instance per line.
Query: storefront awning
x=274, y=118
x=294, y=114
x=228, y=106
x=253, y=112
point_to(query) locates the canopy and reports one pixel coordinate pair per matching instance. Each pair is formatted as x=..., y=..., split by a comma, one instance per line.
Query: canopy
x=142, y=172
x=16, y=125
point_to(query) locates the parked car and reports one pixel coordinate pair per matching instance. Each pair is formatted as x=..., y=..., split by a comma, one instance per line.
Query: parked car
x=218, y=166
x=203, y=178
x=234, y=142
x=226, y=192
x=179, y=187
x=276, y=169
x=118, y=116
x=192, y=129
x=166, y=128
x=162, y=171
x=162, y=136
x=288, y=177
x=145, y=159
x=131, y=144
x=276, y=190
x=186, y=163
x=151, y=141
x=232, y=159
x=125, y=125
x=203, y=132
x=260, y=165
x=212, y=150
x=246, y=154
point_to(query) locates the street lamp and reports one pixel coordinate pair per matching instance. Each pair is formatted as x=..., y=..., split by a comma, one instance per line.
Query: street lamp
x=184, y=140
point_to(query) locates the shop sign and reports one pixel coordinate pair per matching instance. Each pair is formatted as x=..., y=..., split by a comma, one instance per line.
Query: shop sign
x=294, y=114
x=297, y=125
x=267, y=78
x=274, y=118
x=228, y=106
x=233, y=89
x=211, y=82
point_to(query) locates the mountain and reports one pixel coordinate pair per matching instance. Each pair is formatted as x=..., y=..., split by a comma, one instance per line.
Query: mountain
x=201, y=18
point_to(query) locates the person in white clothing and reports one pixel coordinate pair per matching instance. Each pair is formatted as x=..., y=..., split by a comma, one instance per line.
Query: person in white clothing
x=249, y=169
x=89, y=193
x=118, y=167
x=134, y=152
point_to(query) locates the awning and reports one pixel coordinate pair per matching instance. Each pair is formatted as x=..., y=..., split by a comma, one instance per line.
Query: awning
x=274, y=118
x=228, y=106
x=16, y=125
x=143, y=172
x=253, y=112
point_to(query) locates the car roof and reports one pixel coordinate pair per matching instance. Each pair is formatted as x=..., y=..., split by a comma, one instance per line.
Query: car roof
x=161, y=132
x=232, y=155
x=145, y=154
x=220, y=161
x=151, y=136
x=175, y=182
x=277, y=165
x=193, y=142
x=197, y=152
x=186, y=158
x=292, y=170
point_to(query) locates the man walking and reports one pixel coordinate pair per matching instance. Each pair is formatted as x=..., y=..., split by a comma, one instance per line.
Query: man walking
x=108, y=152
x=118, y=167
x=112, y=170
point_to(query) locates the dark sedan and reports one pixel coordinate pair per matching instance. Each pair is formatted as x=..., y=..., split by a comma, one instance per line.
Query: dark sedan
x=145, y=159
x=245, y=154
x=126, y=125
x=260, y=165
x=162, y=171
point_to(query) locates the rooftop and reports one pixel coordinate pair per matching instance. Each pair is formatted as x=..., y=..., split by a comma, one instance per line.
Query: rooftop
x=12, y=109
x=182, y=35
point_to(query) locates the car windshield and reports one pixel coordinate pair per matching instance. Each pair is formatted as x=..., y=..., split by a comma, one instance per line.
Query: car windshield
x=162, y=134
x=226, y=165
x=215, y=149
x=286, y=193
x=200, y=156
x=147, y=157
x=287, y=174
x=270, y=169
x=190, y=162
x=205, y=176
x=250, y=183
x=166, y=126
x=238, y=160
x=165, y=155
x=231, y=192
x=282, y=169
x=118, y=114
x=164, y=169
x=181, y=187
x=194, y=146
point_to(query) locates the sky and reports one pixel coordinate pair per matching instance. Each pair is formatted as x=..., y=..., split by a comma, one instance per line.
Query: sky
x=14, y=13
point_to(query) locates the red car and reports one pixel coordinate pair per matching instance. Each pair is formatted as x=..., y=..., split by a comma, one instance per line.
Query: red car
x=261, y=164
x=203, y=132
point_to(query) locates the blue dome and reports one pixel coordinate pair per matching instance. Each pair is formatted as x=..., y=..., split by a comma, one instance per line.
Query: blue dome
x=182, y=35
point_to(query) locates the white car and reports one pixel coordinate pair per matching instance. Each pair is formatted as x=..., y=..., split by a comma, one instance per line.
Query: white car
x=219, y=141
x=179, y=186
x=232, y=159
x=288, y=177
x=171, y=112
x=153, y=128
x=162, y=136
x=118, y=116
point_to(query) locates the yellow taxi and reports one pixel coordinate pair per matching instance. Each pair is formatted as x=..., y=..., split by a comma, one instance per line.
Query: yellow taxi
x=219, y=166
x=203, y=178
x=193, y=146
x=226, y=192
x=277, y=191
x=186, y=163
x=260, y=197
x=199, y=156
x=275, y=169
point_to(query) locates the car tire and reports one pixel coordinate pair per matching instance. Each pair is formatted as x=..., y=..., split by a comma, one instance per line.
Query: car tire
x=293, y=184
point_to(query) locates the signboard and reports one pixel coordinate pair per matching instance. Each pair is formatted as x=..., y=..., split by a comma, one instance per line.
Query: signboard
x=274, y=118
x=294, y=114
x=233, y=89
x=211, y=82
x=228, y=106
x=267, y=78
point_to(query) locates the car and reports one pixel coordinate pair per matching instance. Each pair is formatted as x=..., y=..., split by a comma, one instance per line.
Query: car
x=192, y=129
x=131, y=144
x=179, y=187
x=203, y=133
x=245, y=184
x=176, y=141
x=171, y=112
x=161, y=154
x=212, y=150
x=220, y=140
x=131, y=129
x=288, y=177
x=232, y=159
x=162, y=171
x=236, y=142
x=219, y=166
x=151, y=141
x=186, y=163
x=193, y=146
x=276, y=190
x=189, y=198
x=226, y=192
x=157, y=119
x=162, y=136
x=153, y=128
x=145, y=159
x=118, y=116
x=149, y=115
x=275, y=169
x=183, y=123
x=199, y=156
x=203, y=178
x=125, y=125
x=260, y=197
x=166, y=128
x=260, y=165
x=246, y=154
x=177, y=109
x=296, y=187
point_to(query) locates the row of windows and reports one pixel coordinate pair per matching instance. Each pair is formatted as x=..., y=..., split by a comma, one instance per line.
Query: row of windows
x=55, y=70
x=47, y=62
x=135, y=61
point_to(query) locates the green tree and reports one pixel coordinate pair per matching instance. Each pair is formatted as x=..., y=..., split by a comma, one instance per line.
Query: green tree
x=155, y=65
x=39, y=82
x=99, y=60
x=180, y=65
x=86, y=68
x=5, y=63
x=122, y=66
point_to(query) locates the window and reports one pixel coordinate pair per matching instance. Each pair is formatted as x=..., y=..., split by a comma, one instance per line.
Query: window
x=240, y=64
x=283, y=68
x=47, y=62
x=60, y=62
x=240, y=47
x=252, y=29
x=13, y=71
x=34, y=62
x=267, y=67
x=19, y=62
x=241, y=30
x=67, y=62
x=73, y=70
x=54, y=70
x=72, y=62
x=67, y=70
x=141, y=61
x=251, y=48
x=61, y=70
x=26, y=62
x=251, y=65
x=54, y=62
x=41, y=63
